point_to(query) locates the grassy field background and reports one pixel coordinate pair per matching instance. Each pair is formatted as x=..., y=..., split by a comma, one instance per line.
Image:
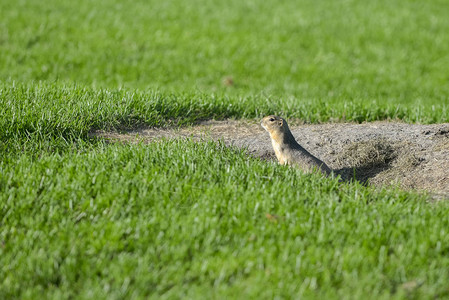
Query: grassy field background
x=83, y=218
x=330, y=50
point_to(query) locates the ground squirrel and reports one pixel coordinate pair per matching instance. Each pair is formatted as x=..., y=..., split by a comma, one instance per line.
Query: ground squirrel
x=288, y=151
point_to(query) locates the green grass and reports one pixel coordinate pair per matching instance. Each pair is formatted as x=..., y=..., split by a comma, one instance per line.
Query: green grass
x=71, y=111
x=53, y=117
x=80, y=218
x=326, y=50
x=172, y=219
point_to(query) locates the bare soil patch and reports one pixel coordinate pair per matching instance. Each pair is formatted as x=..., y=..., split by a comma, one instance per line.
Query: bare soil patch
x=380, y=153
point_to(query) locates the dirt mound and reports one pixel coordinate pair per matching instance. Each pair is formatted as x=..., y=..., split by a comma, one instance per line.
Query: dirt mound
x=380, y=153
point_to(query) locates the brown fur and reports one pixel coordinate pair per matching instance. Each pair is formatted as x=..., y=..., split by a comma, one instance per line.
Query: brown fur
x=288, y=151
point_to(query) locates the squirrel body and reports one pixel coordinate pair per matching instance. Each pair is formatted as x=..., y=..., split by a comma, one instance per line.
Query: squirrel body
x=287, y=150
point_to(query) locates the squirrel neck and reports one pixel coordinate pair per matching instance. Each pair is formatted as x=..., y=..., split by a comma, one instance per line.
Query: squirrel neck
x=285, y=138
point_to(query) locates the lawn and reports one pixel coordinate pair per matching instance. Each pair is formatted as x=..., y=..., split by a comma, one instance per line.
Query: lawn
x=84, y=218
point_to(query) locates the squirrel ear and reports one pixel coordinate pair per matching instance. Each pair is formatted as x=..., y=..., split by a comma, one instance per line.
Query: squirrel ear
x=281, y=122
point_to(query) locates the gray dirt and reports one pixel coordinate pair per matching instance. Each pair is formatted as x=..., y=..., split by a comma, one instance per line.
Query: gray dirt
x=413, y=156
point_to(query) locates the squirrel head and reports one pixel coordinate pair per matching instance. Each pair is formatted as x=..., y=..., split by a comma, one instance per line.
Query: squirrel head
x=274, y=124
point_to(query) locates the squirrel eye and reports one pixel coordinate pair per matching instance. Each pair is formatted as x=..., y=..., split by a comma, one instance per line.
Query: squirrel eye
x=271, y=119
